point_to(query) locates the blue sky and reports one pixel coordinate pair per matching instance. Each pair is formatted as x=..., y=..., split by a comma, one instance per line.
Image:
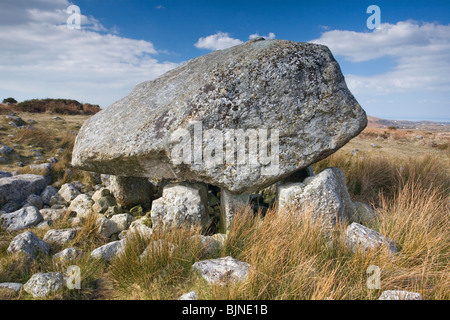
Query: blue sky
x=399, y=71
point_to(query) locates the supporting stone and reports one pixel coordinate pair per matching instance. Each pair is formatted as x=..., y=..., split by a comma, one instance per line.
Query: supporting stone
x=229, y=204
x=129, y=191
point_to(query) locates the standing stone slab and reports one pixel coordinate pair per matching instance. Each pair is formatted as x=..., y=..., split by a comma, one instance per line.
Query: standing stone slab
x=360, y=237
x=325, y=194
x=181, y=204
x=21, y=219
x=129, y=191
x=18, y=188
x=43, y=284
x=222, y=270
x=28, y=243
x=229, y=204
x=295, y=91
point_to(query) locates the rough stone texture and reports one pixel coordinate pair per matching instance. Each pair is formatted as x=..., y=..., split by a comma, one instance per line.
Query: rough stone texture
x=68, y=192
x=5, y=174
x=50, y=214
x=68, y=255
x=325, y=194
x=43, y=284
x=81, y=205
x=129, y=191
x=18, y=188
x=14, y=286
x=106, y=227
x=222, y=270
x=229, y=203
x=189, y=296
x=58, y=200
x=28, y=243
x=400, y=295
x=109, y=251
x=122, y=221
x=102, y=204
x=60, y=236
x=296, y=88
x=21, y=219
x=142, y=227
x=360, y=237
x=181, y=204
x=102, y=192
x=34, y=201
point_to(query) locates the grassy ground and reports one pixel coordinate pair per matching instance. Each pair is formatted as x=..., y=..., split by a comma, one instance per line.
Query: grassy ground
x=406, y=179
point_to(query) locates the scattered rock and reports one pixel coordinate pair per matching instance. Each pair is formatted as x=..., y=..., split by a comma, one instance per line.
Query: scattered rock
x=102, y=204
x=13, y=286
x=142, y=226
x=50, y=214
x=42, y=284
x=122, y=221
x=189, y=296
x=5, y=174
x=35, y=201
x=5, y=150
x=82, y=206
x=61, y=236
x=106, y=227
x=222, y=270
x=21, y=219
x=15, y=121
x=44, y=169
x=47, y=194
x=109, y=251
x=68, y=255
x=28, y=243
x=18, y=188
x=400, y=295
x=360, y=237
x=181, y=204
x=68, y=192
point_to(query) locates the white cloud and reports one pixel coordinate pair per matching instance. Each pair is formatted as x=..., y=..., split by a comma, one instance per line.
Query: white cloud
x=41, y=57
x=421, y=51
x=271, y=35
x=218, y=41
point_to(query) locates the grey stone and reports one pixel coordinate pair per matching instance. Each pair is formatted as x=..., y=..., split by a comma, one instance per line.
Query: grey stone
x=14, y=286
x=122, y=221
x=61, y=236
x=295, y=88
x=229, y=204
x=100, y=193
x=358, y=237
x=50, y=214
x=129, y=191
x=58, y=200
x=44, y=169
x=18, y=188
x=29, y=244
x=35, y=201
x=42, y=284
x=324, y=194
x=81, y=205
x=223, y=270
x=16, y=120
x=47, y=194
x=181, y=204
x=21, y=219
x=141, y=227
x=109, y=251
x=106, y=227
x=189, y=296
x=5, y=150
x=5, y=174
x=68, y=255
x=68, y=192
x=102, y=204
x=400, y=295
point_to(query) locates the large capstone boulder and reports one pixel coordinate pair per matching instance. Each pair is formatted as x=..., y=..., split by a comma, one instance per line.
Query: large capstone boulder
x=241, y=118
x=18, y=188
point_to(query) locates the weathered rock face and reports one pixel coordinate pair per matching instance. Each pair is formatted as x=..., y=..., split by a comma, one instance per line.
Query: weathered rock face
x=28, y=243
x=43, y=284
x=18, y=188
x=21, y=219
x=222, y=270
x=191, y=123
